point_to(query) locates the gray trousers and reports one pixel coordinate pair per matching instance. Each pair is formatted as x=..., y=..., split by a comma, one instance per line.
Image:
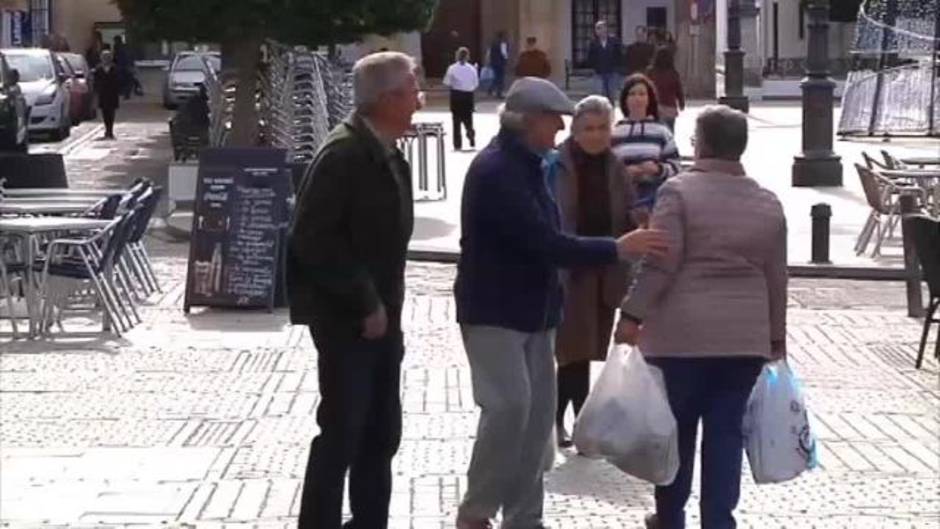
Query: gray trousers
x=514, y=386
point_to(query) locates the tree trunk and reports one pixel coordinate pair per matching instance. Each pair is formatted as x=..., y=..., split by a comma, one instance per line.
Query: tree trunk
x=241, y=59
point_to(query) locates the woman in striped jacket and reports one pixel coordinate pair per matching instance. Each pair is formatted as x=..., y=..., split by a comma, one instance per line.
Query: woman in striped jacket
x=643, y=143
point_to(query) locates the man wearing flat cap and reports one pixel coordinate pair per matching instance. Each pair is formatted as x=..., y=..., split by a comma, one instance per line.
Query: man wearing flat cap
x=509, y=303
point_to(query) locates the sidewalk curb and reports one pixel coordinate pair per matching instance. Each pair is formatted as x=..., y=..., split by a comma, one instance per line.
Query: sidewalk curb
x=800, y=271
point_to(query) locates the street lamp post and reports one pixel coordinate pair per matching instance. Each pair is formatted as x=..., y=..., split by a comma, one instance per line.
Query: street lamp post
x=734, y=62
x=817, y=165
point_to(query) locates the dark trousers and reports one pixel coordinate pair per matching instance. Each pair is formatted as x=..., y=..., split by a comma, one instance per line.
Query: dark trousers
x=608, y=85
x=499, y=80
x=107, y=115
x=360, y=430
x=574, y=381
x=461, y=110
x=715, y=391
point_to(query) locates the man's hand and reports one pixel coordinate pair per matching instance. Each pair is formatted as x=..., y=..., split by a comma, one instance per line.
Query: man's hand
x=643, y=241
x=635, y=170
x=375, y=325
x=627, y=332
x=650, y=168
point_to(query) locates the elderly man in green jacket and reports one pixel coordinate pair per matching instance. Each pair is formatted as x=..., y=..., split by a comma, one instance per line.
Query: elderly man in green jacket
x=345, y=274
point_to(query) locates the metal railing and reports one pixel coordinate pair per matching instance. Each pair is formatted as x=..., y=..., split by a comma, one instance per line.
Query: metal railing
x=907, y=102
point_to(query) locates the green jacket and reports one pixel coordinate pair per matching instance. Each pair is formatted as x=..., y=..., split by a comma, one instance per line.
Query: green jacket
x=349, y=235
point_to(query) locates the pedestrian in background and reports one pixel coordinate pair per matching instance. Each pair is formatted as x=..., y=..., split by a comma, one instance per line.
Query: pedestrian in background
x=639, y=53
x=533, y=62
x=509, y=303
x=669, y=41
x=604, y=57
x=108, y=89
x=462, y=79
x=93, y=53
x=643, y=143
x=346, y=281
x=122, y=61
x=498, y=58
x=595, y=196
x=711, y=313
x=668, y=86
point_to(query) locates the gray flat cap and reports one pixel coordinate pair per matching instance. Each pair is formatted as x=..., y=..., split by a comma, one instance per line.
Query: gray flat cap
x=533, y=94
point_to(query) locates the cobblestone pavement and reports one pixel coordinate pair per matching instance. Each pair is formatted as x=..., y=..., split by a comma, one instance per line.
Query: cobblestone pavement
x=207, y=418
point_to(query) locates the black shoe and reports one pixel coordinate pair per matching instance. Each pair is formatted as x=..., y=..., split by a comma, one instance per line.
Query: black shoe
x=473, y=143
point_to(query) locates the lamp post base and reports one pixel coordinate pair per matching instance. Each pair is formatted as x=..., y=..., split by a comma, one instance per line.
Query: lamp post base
x=817, y=171
x=741, y=103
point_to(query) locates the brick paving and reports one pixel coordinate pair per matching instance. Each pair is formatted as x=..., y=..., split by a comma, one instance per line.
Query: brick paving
x=206, y=419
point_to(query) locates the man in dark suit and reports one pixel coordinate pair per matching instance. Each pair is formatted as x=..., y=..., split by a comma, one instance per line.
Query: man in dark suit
x=345, y=274
x=604, y=57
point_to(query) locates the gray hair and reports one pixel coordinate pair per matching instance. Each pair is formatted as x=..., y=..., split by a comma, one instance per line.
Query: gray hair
x=377, y=74
x=510, y=119
x=596, y=105
x=463, y=54
x=721, y=132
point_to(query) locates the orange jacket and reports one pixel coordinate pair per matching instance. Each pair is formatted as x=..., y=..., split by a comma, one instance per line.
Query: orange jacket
x=533, y=63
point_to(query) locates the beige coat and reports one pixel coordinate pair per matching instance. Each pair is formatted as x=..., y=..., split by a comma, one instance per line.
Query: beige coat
x=592, y=295
x=722, y=291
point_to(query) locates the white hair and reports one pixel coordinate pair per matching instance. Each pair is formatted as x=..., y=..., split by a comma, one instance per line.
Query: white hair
x=377, y=74
x=511, y=119
x=596, y=105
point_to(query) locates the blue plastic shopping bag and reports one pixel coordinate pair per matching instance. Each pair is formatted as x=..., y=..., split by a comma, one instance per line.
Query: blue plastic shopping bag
x=778, y=438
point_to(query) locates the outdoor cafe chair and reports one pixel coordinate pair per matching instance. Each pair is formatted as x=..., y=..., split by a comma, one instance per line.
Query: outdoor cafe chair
x=91, y=261
x=7, y=291
x=133, y=263
x=881, y=194
x=873, y=163
x=891, y=161
x=926, y=232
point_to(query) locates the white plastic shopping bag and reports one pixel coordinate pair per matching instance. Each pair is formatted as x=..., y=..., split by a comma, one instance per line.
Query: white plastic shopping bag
x=780, y=444
x=627, y=419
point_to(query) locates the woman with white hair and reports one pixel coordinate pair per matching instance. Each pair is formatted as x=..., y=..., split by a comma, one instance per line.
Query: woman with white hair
x=595, y=195
x=462, y=79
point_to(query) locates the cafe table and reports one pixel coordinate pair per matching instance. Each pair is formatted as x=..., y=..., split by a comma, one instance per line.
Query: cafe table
x=929, y=179
x=59, y=192
x=922, y=161
x=28, y=229
x=43, y=207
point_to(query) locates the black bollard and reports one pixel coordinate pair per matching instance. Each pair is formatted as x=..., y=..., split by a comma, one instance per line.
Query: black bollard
x=820, y=252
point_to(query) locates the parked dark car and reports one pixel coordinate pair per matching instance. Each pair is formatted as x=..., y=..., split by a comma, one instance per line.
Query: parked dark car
x=14, y=112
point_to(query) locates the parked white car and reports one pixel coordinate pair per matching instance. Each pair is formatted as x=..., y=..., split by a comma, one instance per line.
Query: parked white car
x=186, y=73
x=43, y=83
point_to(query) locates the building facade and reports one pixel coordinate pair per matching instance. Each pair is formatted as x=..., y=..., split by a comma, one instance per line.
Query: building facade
x=34, y=22
x=564, y=29
x=774, y=36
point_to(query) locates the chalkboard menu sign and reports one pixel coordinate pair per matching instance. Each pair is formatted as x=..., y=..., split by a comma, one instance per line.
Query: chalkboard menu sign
x=241, y=212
